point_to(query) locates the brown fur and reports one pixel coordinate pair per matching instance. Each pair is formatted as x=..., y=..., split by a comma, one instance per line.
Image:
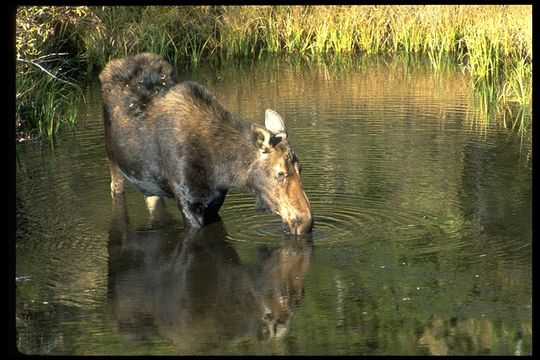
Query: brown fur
x=177, y=140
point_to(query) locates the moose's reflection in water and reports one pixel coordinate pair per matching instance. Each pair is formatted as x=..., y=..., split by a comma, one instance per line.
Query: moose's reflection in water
x=191, y=287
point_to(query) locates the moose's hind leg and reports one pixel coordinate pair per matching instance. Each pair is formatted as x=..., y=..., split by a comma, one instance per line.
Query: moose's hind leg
x=117, y=178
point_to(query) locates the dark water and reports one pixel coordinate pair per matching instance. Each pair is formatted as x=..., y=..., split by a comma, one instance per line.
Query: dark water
x=421, y=244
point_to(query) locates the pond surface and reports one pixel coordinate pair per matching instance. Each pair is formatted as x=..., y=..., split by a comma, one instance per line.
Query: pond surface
x=421, y=244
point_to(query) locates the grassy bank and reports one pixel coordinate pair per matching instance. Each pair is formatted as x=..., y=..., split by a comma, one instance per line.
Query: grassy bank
x=492, y=43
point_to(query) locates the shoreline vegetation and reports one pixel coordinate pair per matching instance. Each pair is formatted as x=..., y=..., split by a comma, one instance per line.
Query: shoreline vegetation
x=58, y=47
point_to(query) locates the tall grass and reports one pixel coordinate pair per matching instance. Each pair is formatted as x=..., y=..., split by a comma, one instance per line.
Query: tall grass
x=492, y=43
x=43, y=103
x=178, y=33
x=47, y=75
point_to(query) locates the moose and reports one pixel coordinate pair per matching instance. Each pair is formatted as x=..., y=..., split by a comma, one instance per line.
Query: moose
x=176, y=140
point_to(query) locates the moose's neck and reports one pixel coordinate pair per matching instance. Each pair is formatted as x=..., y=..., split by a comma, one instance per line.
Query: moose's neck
x=236, y=158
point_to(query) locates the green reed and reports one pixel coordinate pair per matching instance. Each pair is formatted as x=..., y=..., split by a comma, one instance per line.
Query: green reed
x=47, y=74
x=43, y=103
x=492, y=43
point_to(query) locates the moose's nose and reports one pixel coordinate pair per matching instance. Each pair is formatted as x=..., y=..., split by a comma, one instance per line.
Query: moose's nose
x=301, y=225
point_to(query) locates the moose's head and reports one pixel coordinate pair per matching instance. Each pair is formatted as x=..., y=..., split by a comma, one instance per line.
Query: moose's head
x=275, y=175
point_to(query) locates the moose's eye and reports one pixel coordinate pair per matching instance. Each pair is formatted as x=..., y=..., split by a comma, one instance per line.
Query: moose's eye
x=281, y=176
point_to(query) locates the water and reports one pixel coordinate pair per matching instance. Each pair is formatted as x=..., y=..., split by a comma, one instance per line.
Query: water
x=421, y=243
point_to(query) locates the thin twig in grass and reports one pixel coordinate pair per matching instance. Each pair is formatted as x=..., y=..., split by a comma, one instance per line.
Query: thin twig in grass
x=45, y=71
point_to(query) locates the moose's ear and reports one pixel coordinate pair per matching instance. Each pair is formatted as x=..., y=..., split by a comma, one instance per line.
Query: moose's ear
x=274, y=122
x=261, y=138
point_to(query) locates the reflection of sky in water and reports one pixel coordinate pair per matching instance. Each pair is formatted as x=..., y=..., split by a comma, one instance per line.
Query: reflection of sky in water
x=421, y=244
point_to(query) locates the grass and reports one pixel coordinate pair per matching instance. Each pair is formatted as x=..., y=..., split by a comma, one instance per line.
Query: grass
x=44, y=101
x=492, y=43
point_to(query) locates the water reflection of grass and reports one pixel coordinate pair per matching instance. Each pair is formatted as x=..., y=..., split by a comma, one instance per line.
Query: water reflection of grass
x=367, y=77
x=398, y=302
x=514, y=112
x=492, y=43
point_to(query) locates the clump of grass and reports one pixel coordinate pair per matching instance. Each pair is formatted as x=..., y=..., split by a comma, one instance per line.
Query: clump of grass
x=518, y=87
x=43, y=103
x=498, y=57
x=238, y=30
x=178, y=33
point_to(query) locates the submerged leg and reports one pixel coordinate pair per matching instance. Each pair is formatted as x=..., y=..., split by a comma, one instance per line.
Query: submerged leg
x=117, y=178
x=153, y=203
x=157, y=209
x=118, y=230
x=193, y=213
x=200, y=213
x=211, y=211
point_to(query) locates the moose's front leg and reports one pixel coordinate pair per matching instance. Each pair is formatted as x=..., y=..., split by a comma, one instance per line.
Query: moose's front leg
x=211, y=210
x=199, y=206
